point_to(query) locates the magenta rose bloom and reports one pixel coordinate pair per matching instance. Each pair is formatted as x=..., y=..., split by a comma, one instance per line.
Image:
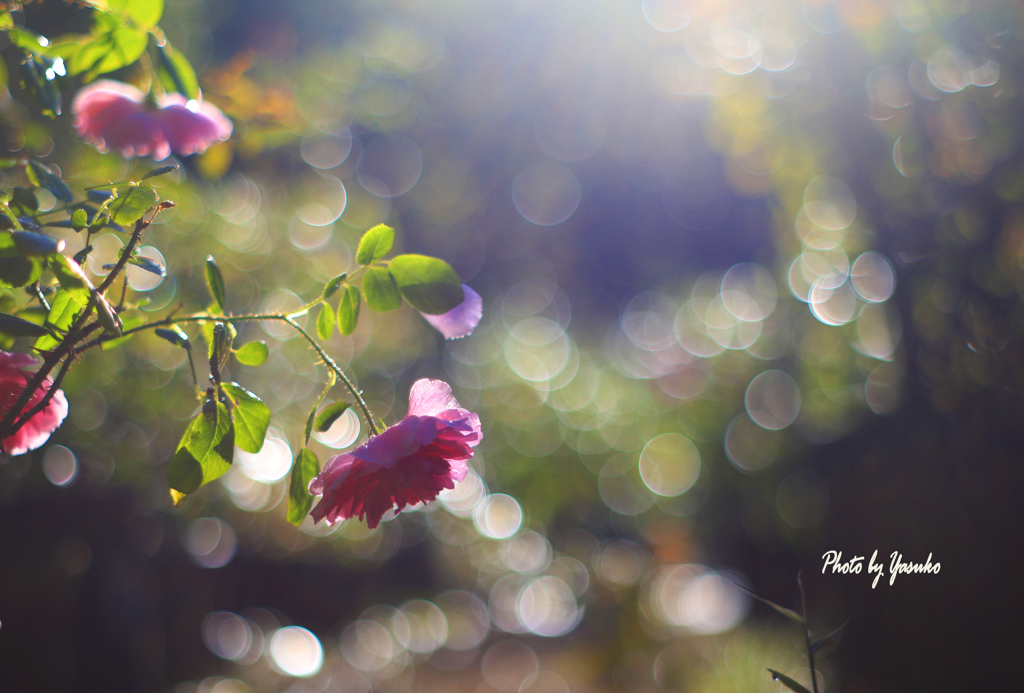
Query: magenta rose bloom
x=461, y=320
x=37, y=430
x=410, y=462
x=114, y=115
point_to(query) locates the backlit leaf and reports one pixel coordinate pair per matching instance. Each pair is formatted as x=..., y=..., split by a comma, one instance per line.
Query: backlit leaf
x=63, y=310
x=326, y=418
x=348, y=310
x=176, y=72
x=131, y=203
x=215, y=282
x=325, y=321
x=375, y=244
x=19, y=327
x=380, y=290
x=17, y=269
x=252, y=354
x=428, y=283
x=304, y=470
x=252, y=417
x=205, y=452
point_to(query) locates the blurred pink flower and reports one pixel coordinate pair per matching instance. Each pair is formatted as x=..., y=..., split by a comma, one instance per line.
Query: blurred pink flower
x=410, y=462
x=114, y=115
x=38, y=429
x=461, y=320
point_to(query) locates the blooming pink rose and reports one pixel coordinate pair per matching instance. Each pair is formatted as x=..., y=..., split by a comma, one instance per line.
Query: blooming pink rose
x=461, y=320
x=410, y=462
x=37, y=430
x=114, y=115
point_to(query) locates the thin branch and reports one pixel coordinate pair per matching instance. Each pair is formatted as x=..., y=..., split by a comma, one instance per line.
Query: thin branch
x=807, y=629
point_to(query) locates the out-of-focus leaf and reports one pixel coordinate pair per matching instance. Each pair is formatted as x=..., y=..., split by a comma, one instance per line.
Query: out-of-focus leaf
x=131, y=203
x=148, y=265
x=325, y=321
x=128, y=321
x=788, y=613
x=98, y=195
x=326, y=418
x=6, y=21
x=375, y=244
x=42, y=176
x=6, y=163
x=348, y=310
x=123, y=47
x=252, y=354
x=72, y=278
x=828, y=642
x=312, y=412
x=304, y=470
x=25, y=199
x=175, y=335
x=205, y=452
x=63, y=311
x=37, y=244
x=252, y=417
x=176, y=72
x=144, y=14
x=428, y=283
x=788, y=682
x=331, y=287
x=18, y=327
x=380, y=290
x=25, y=39
x=161, y=171
x=215, y=282
x=38, y=78
x=17, y=269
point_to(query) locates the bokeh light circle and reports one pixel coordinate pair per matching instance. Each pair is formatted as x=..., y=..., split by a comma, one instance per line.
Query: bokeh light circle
x=669, y=464
x=296, y=652
x=546, y=193
x=390, y=166
x=773, y=400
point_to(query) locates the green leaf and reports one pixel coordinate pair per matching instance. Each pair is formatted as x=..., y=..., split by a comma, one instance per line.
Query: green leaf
x=79, y=219
x=304, y=470
x=790, y=683
x=147, y=264
x=123, y=47
x=175, y=336
x=17, y=269
x=129, y=321
x=215, y=282
x=24, y=199
x=144, y=14
x=312, y=412
x=72, y=279
x=19, y=327
x=131, y=203
x=325, y=321
x=348, y=310
x=205, y=451
x=331, y=287
x=788, y=613
x=827, y=642
x=106, y=315
x=252, y=417
x=380, y=290
x=329, y=415
x=428, y=283
x=375, y=244
x=161, y=171
x=63, y=311
x=176, y=72
x=42, y=176
x=6, y=163
x=252, y=354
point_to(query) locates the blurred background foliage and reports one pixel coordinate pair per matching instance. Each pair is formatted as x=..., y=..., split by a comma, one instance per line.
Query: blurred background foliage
x=751, y=274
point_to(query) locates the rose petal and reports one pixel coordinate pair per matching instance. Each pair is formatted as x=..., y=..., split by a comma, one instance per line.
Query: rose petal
x=461, y=320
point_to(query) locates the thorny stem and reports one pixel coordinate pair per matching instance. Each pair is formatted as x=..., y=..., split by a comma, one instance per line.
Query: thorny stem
x=807, y=630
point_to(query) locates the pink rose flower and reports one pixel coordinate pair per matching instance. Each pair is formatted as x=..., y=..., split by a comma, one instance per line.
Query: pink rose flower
x=461, y=320
x=114, y=115
x=36, y=430
x=410, y=462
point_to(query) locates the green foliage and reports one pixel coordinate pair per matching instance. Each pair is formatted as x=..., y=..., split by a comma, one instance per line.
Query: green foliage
x=205, y=452
x=176, y=72
x=428, y=283
x=160, y=171
x=304, y=470
x=107, y=317
x=17, y=269
x=312, y=412
x=131, y=203
x=252, y=354
x=79, y=219
x=348, y=310
x=36, y=244
x=63, y=310
x=381, y=290
x=331, y=287
x=215, y=283
x=129, y=321
x=375, y=244
x=72, y=279
x=144, y=14
x=252, y=417
x=19, y=327
x=326, y=418
x=325, y=321
x=175, y=336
